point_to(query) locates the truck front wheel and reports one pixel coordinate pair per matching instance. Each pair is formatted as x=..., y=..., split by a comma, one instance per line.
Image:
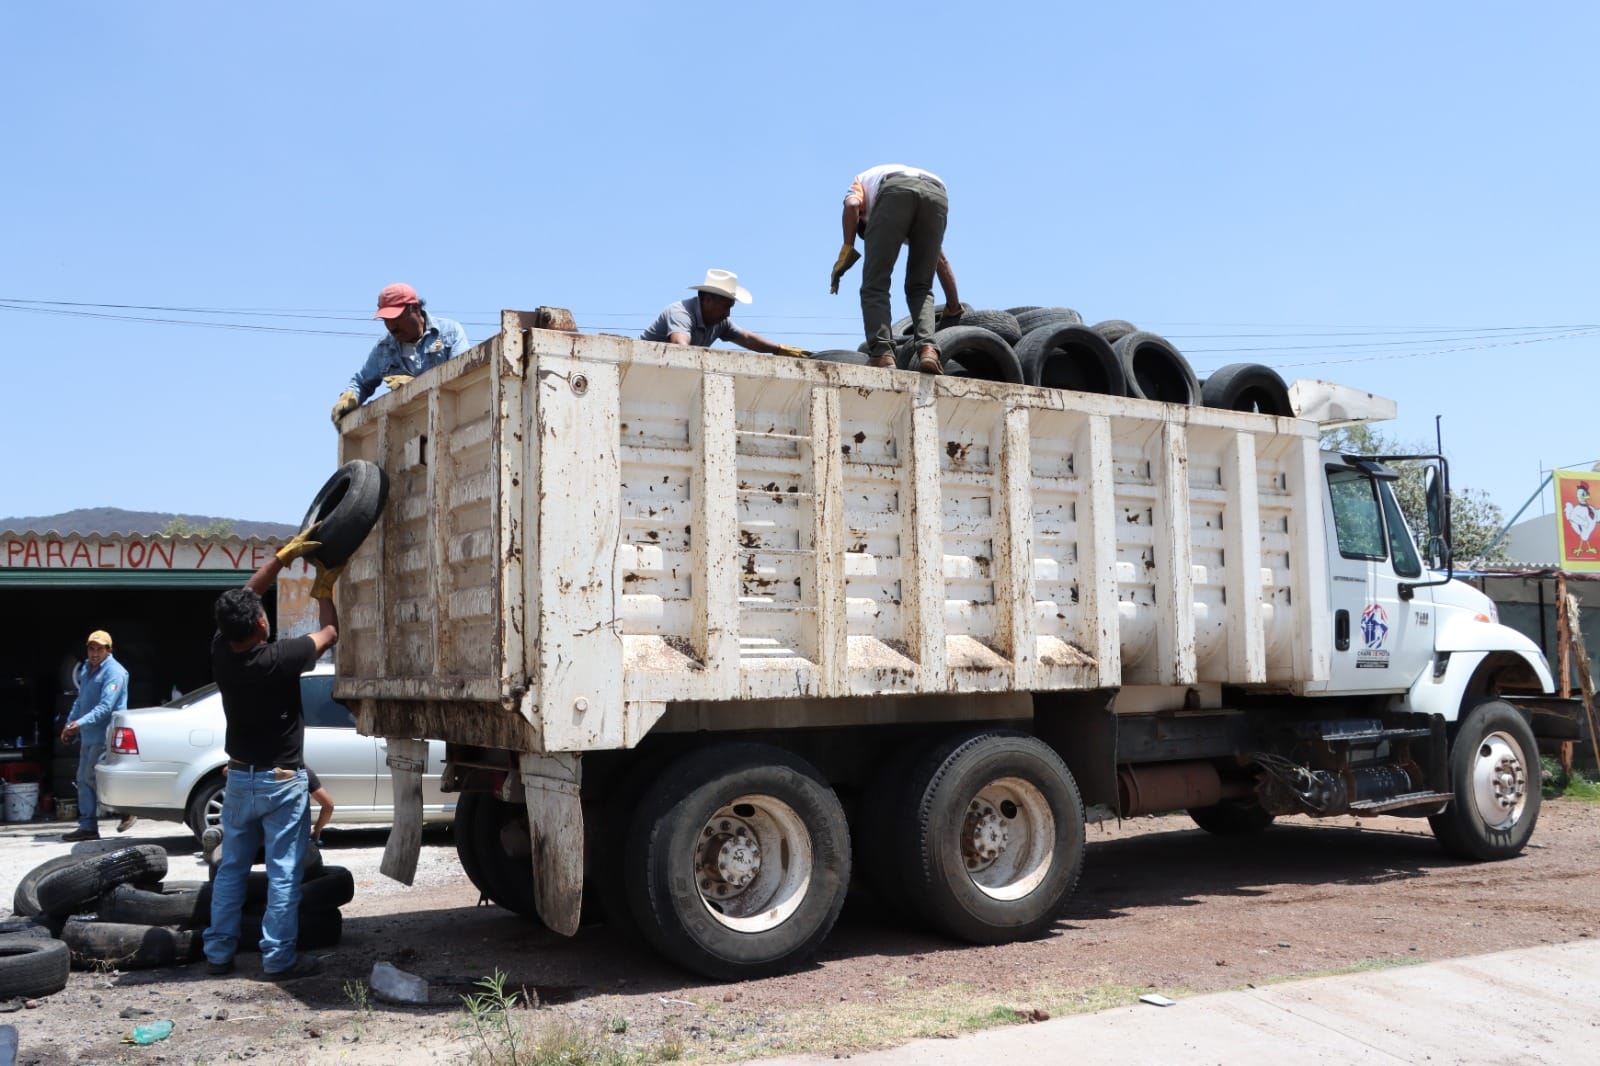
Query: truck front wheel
x=737, y=861
x=1494, y=776
x=993, y=838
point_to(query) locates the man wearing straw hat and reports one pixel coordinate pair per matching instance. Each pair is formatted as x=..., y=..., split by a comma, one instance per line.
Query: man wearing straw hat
x=102, y=689
x=703, y=320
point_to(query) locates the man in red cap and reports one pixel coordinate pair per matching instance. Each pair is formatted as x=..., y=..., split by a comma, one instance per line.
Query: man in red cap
x=417, y=341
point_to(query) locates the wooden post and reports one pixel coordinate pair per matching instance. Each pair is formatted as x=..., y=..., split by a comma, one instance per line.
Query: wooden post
x=1563, y=661
x=1569, y=607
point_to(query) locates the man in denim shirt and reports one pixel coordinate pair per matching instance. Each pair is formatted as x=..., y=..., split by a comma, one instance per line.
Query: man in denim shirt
x=102, y=689
x=417, y=341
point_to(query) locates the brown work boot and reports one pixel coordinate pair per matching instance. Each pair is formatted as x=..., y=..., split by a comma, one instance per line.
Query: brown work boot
x=883, y=360
x=928, y=360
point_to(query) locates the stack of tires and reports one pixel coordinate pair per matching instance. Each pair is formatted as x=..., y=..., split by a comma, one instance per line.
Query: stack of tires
x=114, y=910
x=1051, y=347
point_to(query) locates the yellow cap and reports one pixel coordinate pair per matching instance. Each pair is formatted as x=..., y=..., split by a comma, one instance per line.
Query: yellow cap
x=101, y=637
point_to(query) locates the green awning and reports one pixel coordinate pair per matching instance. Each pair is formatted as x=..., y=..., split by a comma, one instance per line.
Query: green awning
x=24, y=577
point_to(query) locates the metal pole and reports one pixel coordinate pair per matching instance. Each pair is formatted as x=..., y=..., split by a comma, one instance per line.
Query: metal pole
x=1498, y=537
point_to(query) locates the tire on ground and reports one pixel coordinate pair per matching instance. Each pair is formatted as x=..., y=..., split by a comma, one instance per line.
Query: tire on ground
x=315, y=929
x=1232, y=818
x=1028, y=321
x=1114, y=329
x=31, y=968
x=127, y=946
x=1156, y=370
x=1247, y=387
x=339, y=890
x=975, y=353
x=174, y=903
x=25, y=900
x=63, y=891
x=1001, y=323
x=992, y=838
x=346, y=507
x=32, y=928
x=1495, y=782
x=738, y=860
x=1071, y=357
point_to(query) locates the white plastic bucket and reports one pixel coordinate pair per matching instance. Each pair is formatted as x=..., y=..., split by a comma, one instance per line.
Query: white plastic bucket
x=22, y=800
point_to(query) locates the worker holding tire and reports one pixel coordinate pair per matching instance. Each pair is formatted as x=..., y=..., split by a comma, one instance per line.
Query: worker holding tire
x=417, y=341
x=704, y=319
x=265, y=805
x=891, y=205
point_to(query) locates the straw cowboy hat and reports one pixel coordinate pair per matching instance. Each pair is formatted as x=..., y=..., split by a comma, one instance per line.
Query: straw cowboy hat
x=724, y=283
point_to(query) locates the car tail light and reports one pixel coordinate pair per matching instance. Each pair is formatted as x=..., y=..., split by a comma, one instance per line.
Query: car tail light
x=123, y=742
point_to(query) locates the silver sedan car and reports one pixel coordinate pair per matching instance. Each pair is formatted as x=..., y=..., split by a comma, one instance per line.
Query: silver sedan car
x=166, y=762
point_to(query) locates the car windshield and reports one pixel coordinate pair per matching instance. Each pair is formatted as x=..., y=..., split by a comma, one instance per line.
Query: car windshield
x=189, y=699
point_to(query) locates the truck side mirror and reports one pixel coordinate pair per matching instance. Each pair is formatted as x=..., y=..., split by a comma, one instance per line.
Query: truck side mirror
x=1438, y=506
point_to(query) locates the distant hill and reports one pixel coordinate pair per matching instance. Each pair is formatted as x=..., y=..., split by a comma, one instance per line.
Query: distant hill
x=106, y=520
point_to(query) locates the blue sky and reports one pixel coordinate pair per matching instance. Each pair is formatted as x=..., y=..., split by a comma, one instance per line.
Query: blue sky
x=1369, y=193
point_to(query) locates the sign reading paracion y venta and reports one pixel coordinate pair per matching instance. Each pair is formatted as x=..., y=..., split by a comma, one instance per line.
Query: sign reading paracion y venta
x=50, y=551
x=1578, y=519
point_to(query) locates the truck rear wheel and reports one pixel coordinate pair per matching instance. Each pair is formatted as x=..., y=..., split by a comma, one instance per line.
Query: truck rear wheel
x=737, y=861
x=994, y=844
x=496, y=850
x=1494, y=776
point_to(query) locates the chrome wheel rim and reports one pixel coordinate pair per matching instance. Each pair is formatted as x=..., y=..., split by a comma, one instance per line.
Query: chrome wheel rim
x=1499, y=781
x=752, y=863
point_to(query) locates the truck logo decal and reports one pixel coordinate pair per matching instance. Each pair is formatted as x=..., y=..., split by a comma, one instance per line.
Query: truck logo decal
x=1374, y=625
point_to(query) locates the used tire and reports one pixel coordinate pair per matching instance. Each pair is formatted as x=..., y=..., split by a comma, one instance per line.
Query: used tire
x=993, y=839
x=1156, y=370
x=738, y=861
x=322, y=888
x=71, y=888
x=1002, y=324
x=1114, y=329
x=1247, y=387
x=504, y=848
x=972, y=352
x=26, y=929
x=466, y=841
x=1494, y=779
x=901, y=327
x=127, y=946
x=841, y=355
x=1028, y=321
x=1071, y=357
x=173, y=903
x=347, y=507
x=31, y=968
x=25, y=900
x=316, y=929
x=1232, y=819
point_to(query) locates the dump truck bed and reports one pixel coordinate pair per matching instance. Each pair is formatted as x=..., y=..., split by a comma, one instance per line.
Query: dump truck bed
x=584, y=530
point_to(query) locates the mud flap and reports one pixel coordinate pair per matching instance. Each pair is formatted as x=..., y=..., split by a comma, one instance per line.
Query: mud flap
x=555, y=822
x=407, y=759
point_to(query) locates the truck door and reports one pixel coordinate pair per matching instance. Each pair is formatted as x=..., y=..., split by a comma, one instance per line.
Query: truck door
x=1381, y=640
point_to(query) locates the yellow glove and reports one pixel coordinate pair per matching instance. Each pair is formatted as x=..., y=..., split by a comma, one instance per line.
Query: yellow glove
x=322, y=587
x=793, y=353
x=848, y=257
x=346, y=403
x=394, y=381
x=299, y=545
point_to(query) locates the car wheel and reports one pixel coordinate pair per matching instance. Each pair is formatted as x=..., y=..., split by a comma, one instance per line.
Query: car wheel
x=205, y=804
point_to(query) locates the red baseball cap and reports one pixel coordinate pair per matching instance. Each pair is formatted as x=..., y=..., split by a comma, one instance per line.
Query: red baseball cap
x=393, y=301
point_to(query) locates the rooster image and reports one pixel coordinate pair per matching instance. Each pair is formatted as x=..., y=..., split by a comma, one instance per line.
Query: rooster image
x=1582, y=517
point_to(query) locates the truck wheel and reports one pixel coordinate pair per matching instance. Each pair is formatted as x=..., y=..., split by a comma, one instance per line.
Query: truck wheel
x=994, y=843
x=737, y=861
x=504, y=849
x=1232, y=819
x=1494, y=775
x=467, y=842
x=205, y=804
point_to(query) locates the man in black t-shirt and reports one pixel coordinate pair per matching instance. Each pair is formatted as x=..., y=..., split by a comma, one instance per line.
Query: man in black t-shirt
x=265, y=802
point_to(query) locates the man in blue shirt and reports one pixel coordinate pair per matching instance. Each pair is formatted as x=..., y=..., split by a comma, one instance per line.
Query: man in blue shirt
x=102, y=689
x=703, y=320
x=417, y=341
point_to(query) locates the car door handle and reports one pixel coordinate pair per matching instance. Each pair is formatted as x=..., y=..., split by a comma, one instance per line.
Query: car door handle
x=1341, y=630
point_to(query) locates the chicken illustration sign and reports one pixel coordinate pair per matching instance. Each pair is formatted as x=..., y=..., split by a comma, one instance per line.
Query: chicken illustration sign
x=1578, y=518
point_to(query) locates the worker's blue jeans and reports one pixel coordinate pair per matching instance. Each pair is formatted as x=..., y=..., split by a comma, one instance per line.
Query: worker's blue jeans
x=88, y=798
x=259, y=810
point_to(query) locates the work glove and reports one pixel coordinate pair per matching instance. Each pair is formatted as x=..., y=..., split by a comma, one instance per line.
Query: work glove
x=793, y=353
x=848, y=257
x=322, y=587
x=347, y=402
x=951, y=312
x=394, y=381
x=299, y=545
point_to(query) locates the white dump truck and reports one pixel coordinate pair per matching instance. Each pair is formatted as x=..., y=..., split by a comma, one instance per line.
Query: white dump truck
x=713, y=635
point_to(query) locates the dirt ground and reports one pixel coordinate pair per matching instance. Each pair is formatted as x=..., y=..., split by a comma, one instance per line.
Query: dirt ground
x=1161, y=907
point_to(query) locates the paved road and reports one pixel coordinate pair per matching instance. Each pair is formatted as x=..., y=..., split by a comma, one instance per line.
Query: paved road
x=1535, y=1005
